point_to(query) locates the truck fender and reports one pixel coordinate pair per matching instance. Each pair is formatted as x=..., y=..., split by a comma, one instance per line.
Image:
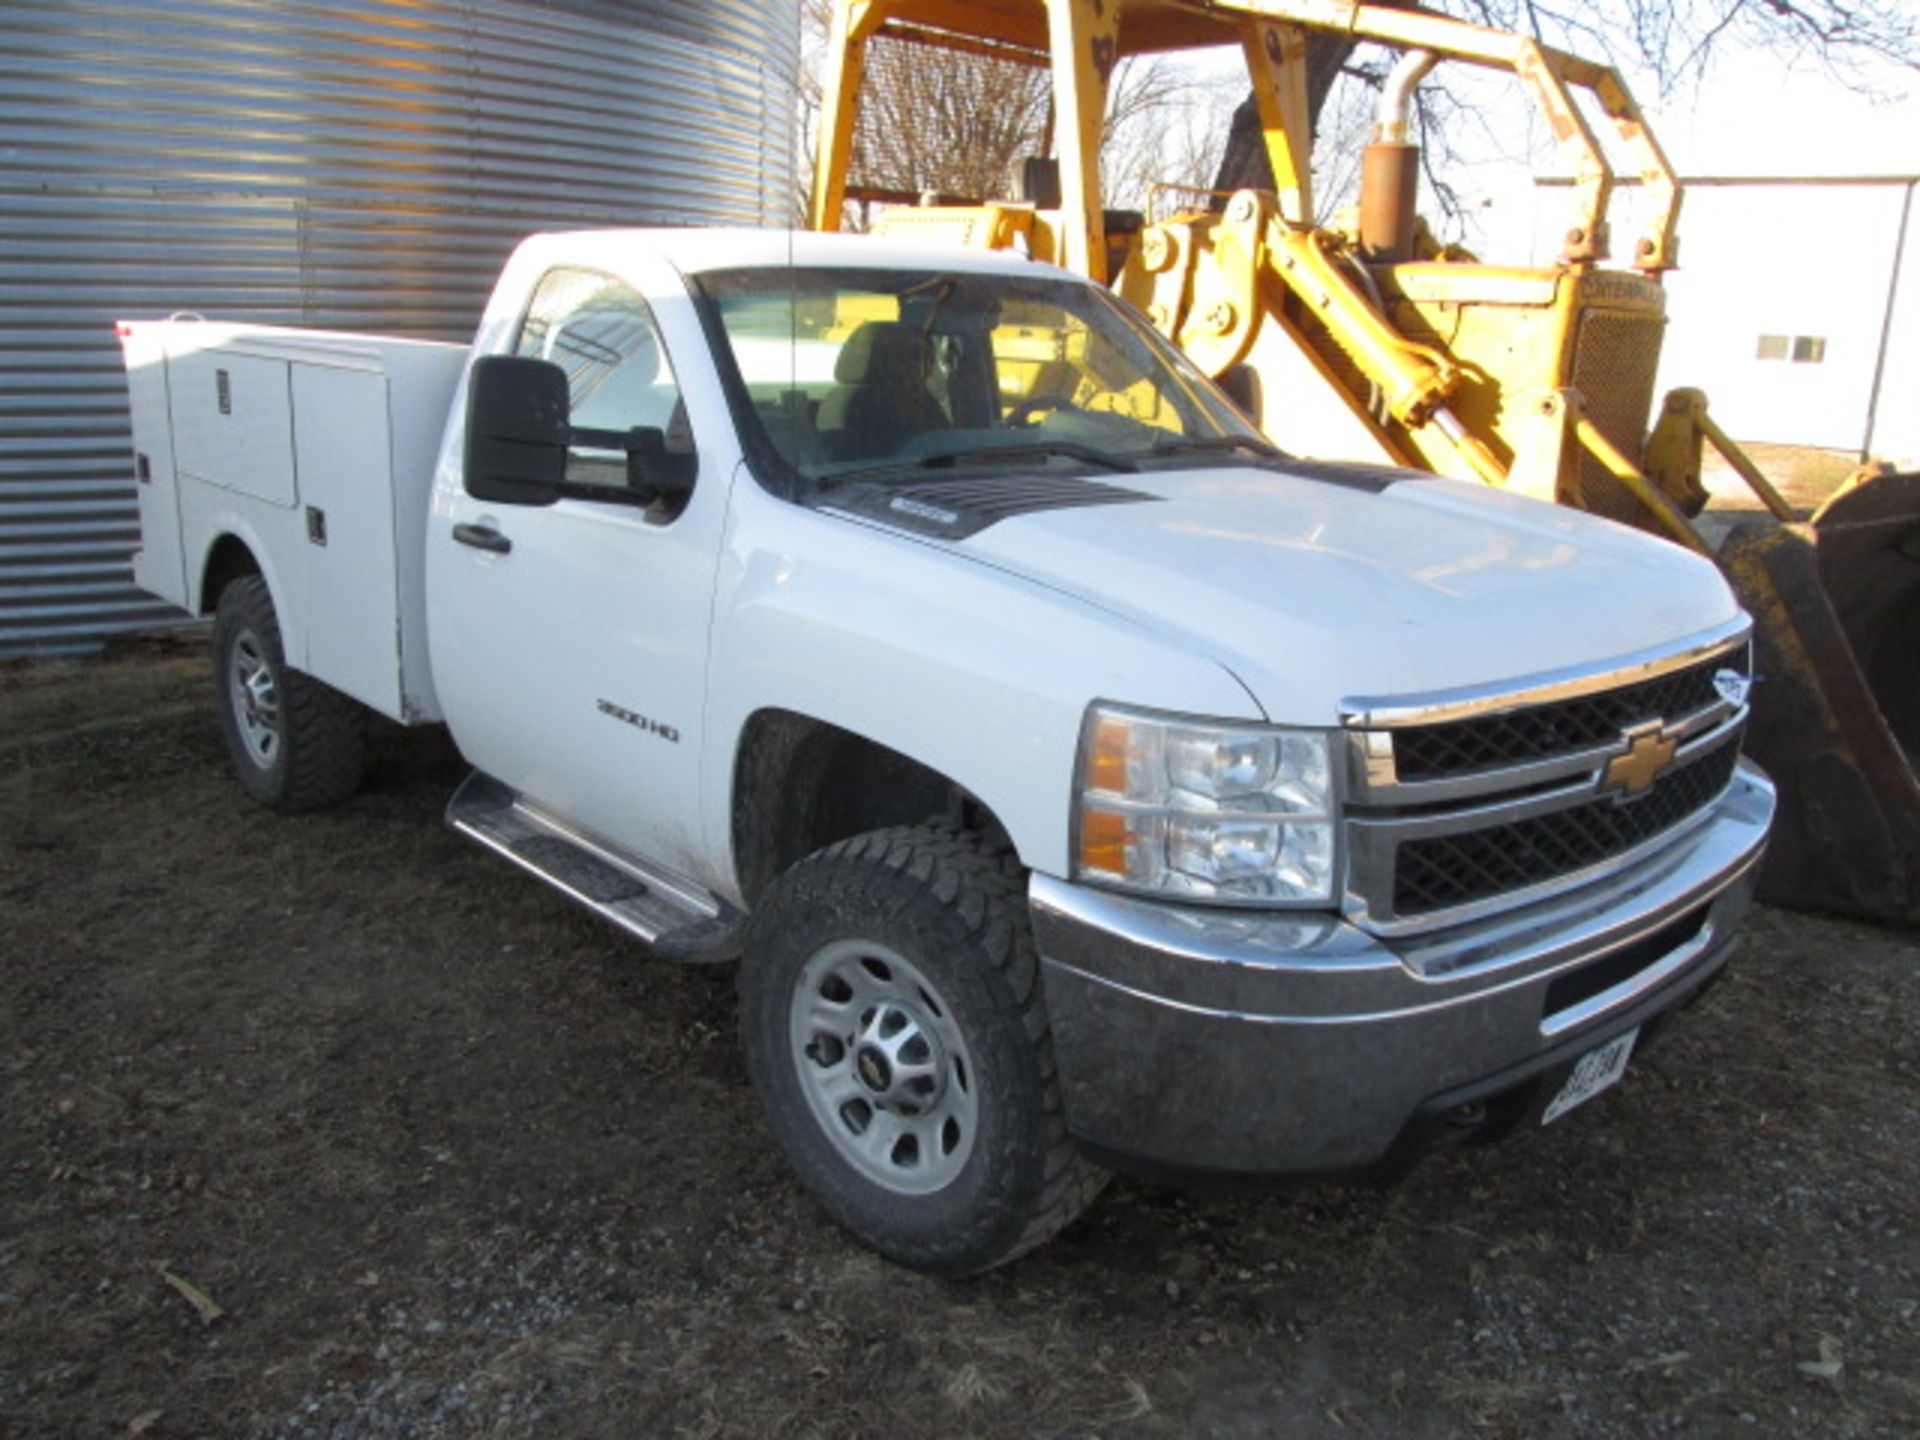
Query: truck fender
x=975, y=675
x=225, y=527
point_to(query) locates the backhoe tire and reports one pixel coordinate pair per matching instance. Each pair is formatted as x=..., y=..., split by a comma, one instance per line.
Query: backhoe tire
x=296, y=744
x=894, y=1027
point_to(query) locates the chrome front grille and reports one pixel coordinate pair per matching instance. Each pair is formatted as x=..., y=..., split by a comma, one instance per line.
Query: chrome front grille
x=1444, y=871
x=1461, y=805
x=1487, y=742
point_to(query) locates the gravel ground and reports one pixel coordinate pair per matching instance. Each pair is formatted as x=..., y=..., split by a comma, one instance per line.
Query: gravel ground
x=334, y=1127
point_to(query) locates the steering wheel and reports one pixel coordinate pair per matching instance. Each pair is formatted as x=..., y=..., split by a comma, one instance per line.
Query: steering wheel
x=1028, y=410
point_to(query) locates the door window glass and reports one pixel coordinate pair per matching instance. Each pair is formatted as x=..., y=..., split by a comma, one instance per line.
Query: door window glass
x=619, y=377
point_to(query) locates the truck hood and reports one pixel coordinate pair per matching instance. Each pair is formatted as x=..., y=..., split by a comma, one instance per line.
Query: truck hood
x=1314, y=591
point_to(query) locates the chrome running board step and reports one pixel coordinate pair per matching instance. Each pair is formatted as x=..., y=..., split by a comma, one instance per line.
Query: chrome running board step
x=682, y=922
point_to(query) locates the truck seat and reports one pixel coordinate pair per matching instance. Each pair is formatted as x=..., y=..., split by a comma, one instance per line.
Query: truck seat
x=880, y=398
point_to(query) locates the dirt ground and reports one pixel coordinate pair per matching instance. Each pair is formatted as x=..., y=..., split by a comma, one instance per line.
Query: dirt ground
x=1803, y=474
x=450, y=1159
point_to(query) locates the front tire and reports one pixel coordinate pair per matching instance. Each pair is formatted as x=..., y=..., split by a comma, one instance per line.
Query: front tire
x=893, y=1023
x=295, y=743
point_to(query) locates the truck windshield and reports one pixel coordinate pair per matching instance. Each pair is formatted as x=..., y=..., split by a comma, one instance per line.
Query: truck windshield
x=856, y=372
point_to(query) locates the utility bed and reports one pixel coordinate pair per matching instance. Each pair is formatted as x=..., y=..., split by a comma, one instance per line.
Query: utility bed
x=317, y=448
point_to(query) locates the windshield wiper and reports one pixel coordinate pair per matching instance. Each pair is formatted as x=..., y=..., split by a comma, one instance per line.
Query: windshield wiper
x=1201, y=444
x=1042, y=449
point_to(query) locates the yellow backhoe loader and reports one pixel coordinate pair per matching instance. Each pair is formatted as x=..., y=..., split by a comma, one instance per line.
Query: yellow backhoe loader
x=1367, y=337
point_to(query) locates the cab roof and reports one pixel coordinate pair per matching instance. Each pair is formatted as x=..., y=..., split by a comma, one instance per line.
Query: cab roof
x=694, y=251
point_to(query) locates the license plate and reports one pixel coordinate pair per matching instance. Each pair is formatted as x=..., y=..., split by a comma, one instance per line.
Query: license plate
x=1597, y=1070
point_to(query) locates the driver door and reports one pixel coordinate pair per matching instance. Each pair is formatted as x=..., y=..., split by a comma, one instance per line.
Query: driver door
x=570, y=649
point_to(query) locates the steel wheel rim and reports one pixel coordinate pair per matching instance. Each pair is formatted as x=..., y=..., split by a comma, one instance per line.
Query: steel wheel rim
x=886, y=1072
x=255, y=699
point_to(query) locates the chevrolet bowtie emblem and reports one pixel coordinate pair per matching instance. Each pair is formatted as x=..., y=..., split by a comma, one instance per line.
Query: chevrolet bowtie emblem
x=1634, y=769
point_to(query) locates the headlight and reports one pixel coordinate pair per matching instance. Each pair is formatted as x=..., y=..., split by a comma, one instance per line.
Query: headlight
x=1208, y=812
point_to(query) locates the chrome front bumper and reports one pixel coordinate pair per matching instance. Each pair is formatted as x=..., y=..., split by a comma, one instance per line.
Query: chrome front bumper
x=1287, y=1043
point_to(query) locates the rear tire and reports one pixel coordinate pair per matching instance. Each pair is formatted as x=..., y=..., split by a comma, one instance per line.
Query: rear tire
x=295, y=743
x=893, y=1023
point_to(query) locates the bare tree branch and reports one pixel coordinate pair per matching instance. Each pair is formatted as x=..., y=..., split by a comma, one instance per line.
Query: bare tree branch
x=939, y=120
x=1861, y=42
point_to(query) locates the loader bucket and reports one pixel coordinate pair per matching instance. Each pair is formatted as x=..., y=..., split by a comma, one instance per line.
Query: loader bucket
x=1836, y=706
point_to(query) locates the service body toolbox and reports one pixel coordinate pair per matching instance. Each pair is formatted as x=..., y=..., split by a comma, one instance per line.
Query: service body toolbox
x=314, y=451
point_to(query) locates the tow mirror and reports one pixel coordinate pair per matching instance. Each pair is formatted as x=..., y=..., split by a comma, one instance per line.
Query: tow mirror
x=517, y=430
x=520, y=438
x=655, y=474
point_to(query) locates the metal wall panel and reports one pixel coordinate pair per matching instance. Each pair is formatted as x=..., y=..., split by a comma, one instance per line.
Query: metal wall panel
x=362, y=164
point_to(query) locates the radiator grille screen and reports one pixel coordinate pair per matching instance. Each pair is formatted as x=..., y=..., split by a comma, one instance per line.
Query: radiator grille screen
x=1614, y=360
x=943, y=116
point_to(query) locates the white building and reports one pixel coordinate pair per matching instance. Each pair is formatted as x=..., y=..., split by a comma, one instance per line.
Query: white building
x=1797, y=309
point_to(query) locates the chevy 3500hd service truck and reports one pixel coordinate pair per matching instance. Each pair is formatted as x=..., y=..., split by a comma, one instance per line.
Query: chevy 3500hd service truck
x=1077, y=781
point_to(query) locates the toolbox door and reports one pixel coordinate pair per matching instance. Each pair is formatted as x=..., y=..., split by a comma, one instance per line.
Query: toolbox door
x=344, y=463
x=159, y=566
x=232, y=420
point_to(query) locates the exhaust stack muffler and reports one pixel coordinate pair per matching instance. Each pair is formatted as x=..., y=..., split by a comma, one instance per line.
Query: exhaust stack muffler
x=1390, y=166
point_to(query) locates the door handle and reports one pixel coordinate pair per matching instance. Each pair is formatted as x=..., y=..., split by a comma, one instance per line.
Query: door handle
x=482, y=537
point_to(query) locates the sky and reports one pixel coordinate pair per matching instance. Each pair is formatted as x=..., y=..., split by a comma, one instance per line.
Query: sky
x=1752, y=116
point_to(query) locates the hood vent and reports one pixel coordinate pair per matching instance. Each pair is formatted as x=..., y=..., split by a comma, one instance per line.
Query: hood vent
x=1373, y=479
x=956, y=509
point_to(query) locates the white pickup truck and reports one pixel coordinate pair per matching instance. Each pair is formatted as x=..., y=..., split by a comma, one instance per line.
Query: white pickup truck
x=1078, y=781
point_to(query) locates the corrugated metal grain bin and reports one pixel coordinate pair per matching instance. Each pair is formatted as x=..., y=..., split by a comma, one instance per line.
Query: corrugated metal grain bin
x=364, y=164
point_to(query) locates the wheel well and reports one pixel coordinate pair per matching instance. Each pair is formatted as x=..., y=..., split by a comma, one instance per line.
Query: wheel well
x=800, y=784
x=228, y=561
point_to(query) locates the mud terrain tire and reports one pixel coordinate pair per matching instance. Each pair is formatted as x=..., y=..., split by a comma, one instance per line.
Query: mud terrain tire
x=296, y=744
x=908, y=952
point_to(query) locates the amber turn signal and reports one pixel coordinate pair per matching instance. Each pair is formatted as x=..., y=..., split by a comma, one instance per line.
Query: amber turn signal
x=1104, y=836
x=1107, y=755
